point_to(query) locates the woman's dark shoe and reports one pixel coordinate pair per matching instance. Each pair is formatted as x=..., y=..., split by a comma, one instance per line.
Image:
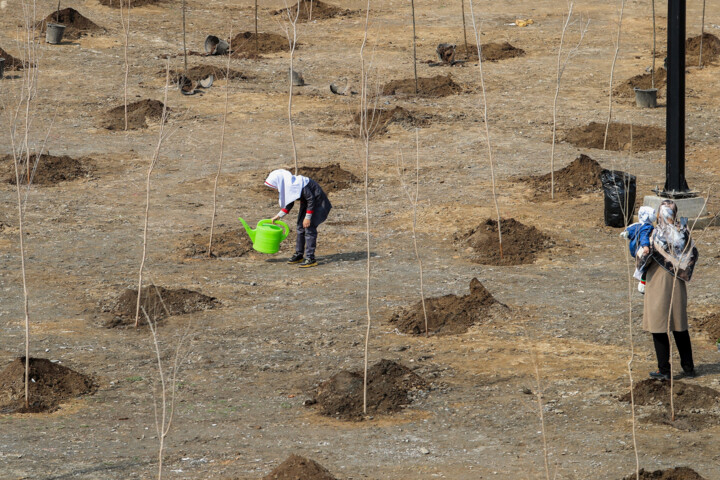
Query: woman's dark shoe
x=309, y=262
x=691, y=374
x=659, y=376
x=297, y=258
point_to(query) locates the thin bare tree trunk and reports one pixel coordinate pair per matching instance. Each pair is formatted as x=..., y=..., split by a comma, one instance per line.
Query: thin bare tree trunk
x=702, y=35
x=414, y=203
x=541, y=412
x=257, y=49
x=57, y=16
x=487, y=127
x=365, y=137
x=652, y=73
x=222, y=144
x=292, y=41
x=184, y=43
x=153, y=162
x=26, y=304
x=309, y=13
x=612, y=73
x=560, y=71
x=557, y=93
x=467, y=48
x=412, y=5
x=126, y=38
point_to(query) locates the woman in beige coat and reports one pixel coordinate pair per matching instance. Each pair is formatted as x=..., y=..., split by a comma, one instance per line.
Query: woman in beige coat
x=673, y=260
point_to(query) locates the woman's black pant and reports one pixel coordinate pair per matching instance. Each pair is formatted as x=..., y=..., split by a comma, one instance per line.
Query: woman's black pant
x=662, y=350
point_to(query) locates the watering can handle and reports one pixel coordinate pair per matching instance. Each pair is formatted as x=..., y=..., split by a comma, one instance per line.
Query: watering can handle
x=277, y=222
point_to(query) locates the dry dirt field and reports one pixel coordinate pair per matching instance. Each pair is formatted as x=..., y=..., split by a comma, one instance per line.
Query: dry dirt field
x=270, y=334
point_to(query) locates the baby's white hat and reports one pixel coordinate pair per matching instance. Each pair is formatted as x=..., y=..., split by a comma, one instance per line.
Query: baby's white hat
x=646, y=215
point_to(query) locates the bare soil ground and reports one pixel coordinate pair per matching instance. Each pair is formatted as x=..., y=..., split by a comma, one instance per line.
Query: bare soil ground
x=252, y=363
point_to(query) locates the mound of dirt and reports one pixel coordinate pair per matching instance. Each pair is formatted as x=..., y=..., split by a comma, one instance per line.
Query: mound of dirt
x=330, y=177
x=644, y=138
x=138, y=115
x=380, y=119
x=686, y=396
x=438, y=86
x=131, y=3
x=243, y=44
x=76, y=25
x=680, y=473
x=11, y=63
x=710, y=50
x=580, y=177
x=158, y=302
x=50, y=170
x=227, y=244
x=313, y=10
x=710, y=324
x=491, y=52
x=447, y=315
x=520, y=243
x=642, y=81
x=50, y=384
x=390, y=388
x=299, y=468
x=201, y=72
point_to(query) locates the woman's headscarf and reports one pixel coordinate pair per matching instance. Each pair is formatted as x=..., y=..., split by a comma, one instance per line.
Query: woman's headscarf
x=673, y=248
x=289, y=186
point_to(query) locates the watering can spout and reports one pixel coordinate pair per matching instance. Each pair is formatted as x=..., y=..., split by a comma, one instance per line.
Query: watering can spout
x=249, y=230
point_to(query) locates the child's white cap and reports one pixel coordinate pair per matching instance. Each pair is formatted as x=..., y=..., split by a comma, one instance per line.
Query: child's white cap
x=646, y=215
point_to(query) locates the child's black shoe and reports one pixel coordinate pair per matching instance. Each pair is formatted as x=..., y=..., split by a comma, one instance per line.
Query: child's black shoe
x=309, y=262
x=297, y=258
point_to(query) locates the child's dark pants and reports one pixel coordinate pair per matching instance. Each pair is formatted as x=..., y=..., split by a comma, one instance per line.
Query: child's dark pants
x=306, y=240
x=662, y=350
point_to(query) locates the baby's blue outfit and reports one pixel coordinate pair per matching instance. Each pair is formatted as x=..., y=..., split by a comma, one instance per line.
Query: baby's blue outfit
x=639, y=235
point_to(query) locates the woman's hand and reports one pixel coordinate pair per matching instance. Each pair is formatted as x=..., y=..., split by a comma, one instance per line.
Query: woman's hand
x=645, y=250
x=276, y=217
x=306, y=223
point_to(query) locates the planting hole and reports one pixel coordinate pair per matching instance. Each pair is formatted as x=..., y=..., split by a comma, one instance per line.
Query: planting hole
x=521, y=244
x=50, y=385
x=449, y=314
x=391, y=387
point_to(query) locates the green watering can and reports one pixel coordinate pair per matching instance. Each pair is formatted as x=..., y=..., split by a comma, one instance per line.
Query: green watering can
x=267, y=236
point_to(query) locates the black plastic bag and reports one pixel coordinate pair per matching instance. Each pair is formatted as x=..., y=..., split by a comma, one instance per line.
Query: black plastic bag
x=620, y=189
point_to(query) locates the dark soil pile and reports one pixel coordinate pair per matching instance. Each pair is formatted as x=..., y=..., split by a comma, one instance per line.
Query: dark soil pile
x=447, y=315
x=201, y=72
x=330, y=177
x=158, y=302
x=390, y=388
x=228, y=244
x=76, y=25
x=299, y=468
x=644, y=138
x=686, y=396
x=710, y=50
x=50, y=384
x=380, y=119
x=491, y=52
x=132, y=3
x=438, y=86
x=520, y=243
x=710, y=324
x=680, y=473
x=243, y=44
x=580, y=177
x=696, y=407
x=313, y=10
x=642, y=81
x=50, y=170
x=11, y=63
x=138, y=115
